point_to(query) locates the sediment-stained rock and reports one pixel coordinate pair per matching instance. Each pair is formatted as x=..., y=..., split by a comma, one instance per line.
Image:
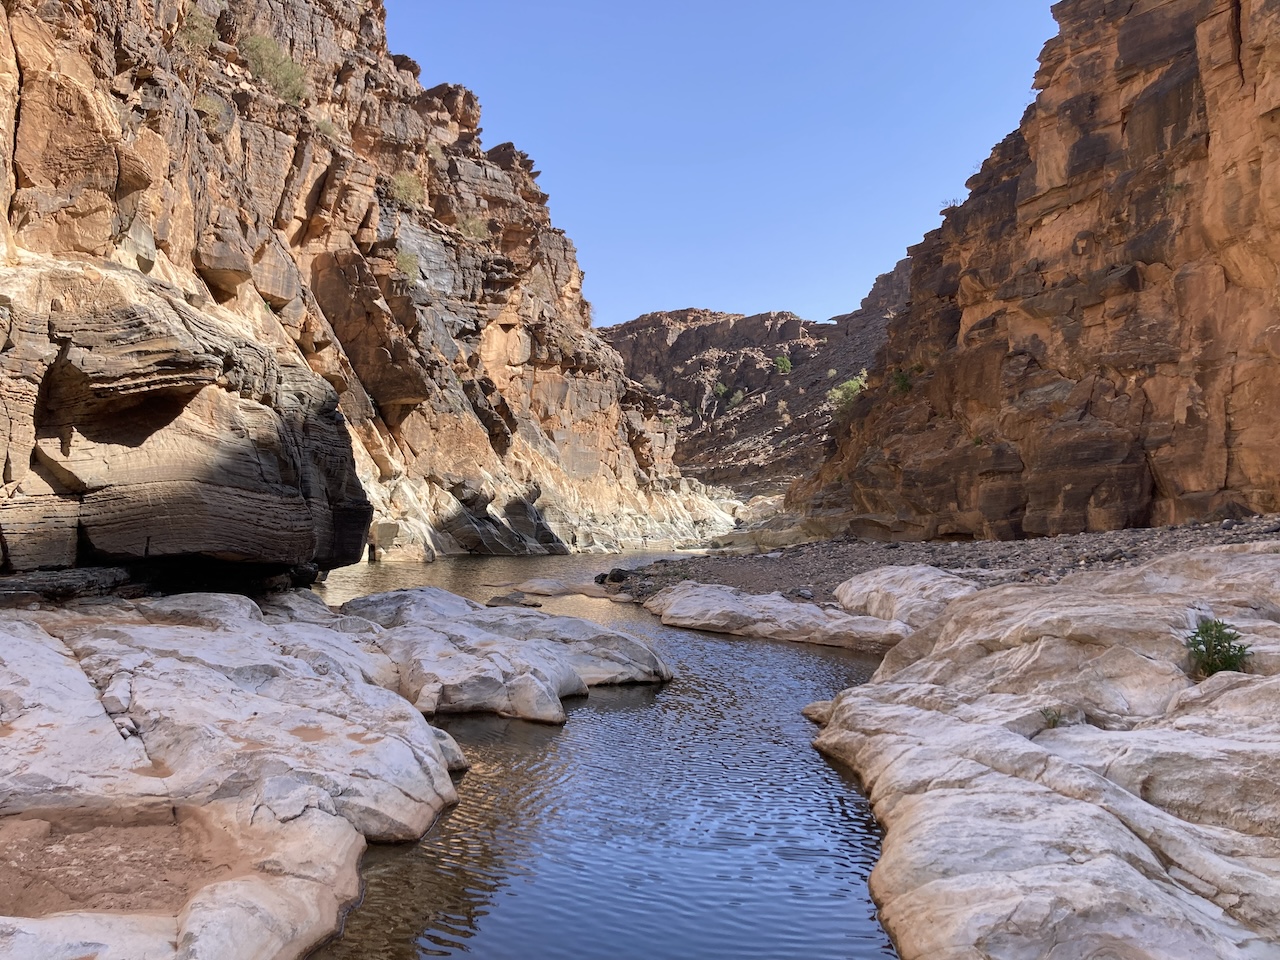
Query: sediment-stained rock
x=250, y=263
x=719, y=609
x=196, y=776
x=1054, y=782
x=1091, y=341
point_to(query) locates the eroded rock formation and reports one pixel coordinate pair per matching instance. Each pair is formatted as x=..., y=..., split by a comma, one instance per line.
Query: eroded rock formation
x=1093, y=338
x=195, y=777
x=248, y=262
x=750, y=393
x=1055, y=782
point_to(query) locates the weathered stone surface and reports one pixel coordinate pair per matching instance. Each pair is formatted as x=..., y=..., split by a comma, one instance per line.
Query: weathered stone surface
x=1054, y=783
x=1092, y=337
x=915, y=595
x=456, y=656
x=743, y=418
x=226, y=304
x=720, y=609
x=195, y=777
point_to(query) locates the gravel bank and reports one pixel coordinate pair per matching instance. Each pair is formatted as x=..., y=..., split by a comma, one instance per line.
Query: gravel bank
x=813, y=571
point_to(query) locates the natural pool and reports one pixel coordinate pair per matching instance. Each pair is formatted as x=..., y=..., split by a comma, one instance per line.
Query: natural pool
x=688, y=821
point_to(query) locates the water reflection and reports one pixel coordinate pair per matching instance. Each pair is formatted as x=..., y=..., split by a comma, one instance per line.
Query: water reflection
x=692, y=821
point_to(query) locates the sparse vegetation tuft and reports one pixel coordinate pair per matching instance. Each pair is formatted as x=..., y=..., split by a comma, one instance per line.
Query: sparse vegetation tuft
x=736, y=399
x=475, y=228
x=1052, y=717
x=407, y=189
x=782, y=363
x=719, y=389
x=901, y=381
x=842, y=396
x=197, y=33
x=1215, y=647
x=270, y=64
x=407, y=263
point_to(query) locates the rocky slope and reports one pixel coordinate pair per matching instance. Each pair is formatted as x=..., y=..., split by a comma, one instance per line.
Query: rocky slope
x=232, y=288
x=745, y=418
x=1092, y=341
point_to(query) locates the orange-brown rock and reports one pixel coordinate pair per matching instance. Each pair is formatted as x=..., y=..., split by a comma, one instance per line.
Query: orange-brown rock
x=1093, y=339
x=250, y=263
x=749, y=394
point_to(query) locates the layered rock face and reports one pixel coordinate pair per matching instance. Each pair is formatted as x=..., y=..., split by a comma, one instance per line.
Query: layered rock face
x=1093, y=340
x=746, y=418
x=250, y=262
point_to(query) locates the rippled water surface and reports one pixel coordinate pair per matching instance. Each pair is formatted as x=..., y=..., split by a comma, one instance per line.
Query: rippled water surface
x=688, y=821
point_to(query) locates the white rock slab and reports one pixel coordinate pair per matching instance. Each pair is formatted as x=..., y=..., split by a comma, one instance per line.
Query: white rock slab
x=916, y=595
x=720, y=609
x=1054, y=784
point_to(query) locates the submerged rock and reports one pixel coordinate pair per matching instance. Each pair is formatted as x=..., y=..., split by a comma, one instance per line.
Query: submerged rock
x=1042, y=753
x=216, y=765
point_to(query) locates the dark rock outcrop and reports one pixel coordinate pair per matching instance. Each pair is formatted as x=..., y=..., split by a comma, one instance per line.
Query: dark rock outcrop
x=248, y=263
x=1092, y=341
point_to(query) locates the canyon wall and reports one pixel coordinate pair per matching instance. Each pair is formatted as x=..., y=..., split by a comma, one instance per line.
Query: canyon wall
x=259, y=287
x=749, y=394
x=1093, y=337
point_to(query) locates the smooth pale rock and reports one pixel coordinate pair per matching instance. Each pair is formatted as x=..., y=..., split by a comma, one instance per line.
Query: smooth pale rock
x=915, y=595
x=272, y=735
x=1052, y=782
x=720, y=609
x=547, y=587
x=458, y=656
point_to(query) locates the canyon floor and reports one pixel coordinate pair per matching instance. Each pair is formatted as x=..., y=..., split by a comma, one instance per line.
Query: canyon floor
x=818, y=568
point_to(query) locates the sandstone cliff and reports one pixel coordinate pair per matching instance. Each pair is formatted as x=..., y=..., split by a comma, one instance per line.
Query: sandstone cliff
x=750, y=393
x=1093, y=335
x=249, y=262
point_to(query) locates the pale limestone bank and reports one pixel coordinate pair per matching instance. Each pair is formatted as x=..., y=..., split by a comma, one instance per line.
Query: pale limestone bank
x=196, y=777
x=1053, y=782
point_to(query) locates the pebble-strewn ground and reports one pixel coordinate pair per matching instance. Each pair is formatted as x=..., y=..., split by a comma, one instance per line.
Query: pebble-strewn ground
x=818, y=568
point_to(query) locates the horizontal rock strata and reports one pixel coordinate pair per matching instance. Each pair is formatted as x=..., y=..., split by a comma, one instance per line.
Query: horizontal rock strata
x=1053, y=781
x=249, y=265
x=1092, y=338
x=196, y=777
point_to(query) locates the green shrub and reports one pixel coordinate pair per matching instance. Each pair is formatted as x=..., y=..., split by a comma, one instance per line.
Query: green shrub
x=327, y=128
x=842, y=397
x=475, y=228
x=736, y=399
x=407, y=189
x=1052, y=717
x=197, y=33
x=720, y=390
x=407, y=263
x=272, y=66
x=1214, y=648
x=901, y=381
x=782, y=363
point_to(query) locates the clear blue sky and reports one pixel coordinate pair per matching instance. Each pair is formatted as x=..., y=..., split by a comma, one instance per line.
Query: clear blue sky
x=741, y=156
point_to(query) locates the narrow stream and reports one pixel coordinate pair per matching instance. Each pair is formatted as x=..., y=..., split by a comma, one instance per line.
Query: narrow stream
x=689, y=821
